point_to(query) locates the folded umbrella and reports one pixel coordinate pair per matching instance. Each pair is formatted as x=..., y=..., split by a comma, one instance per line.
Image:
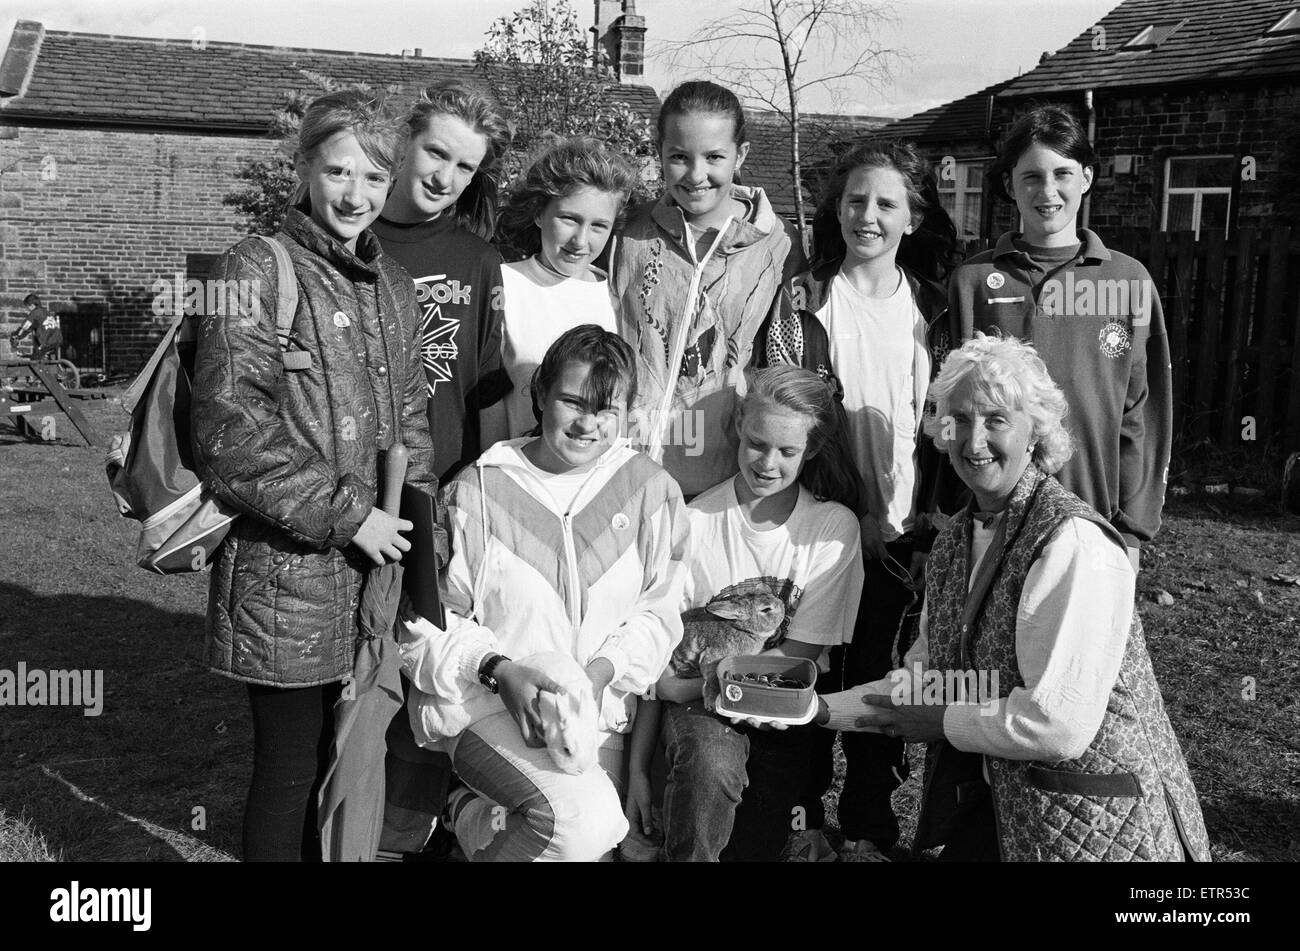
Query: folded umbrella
x=352, y=795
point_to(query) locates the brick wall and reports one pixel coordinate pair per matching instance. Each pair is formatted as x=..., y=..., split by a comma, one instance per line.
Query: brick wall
x=1228, y=121
x=108, y=214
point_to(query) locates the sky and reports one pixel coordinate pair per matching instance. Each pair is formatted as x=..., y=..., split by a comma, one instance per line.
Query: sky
x=952, y=47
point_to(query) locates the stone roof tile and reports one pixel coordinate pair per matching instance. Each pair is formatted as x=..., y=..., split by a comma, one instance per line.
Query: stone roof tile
x=1216, y=41
x=92, y=78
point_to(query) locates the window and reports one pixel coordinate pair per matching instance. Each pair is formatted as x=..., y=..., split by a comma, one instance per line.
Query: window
x=962, y=196
x=1152, y=35
x=1198, y=193
x=1289, y=24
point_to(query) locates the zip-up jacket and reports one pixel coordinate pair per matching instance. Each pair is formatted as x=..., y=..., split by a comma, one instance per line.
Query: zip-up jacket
x=800, y=339
x=693, y=322
x=296, y=451
x=603, y=579
x=1098, y=325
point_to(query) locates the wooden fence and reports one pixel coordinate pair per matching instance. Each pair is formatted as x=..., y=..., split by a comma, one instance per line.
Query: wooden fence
x=1232, y=311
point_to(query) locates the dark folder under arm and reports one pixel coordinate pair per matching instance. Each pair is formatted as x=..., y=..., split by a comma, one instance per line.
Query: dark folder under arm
x=420, y=574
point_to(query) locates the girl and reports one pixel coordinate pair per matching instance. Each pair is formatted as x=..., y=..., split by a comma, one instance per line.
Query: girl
x=880, y=326
x=440, y=214
x=437, y=222
x=510, y=590
x=1107, y=352
x=785, y=521
x=562, y=213
x=295, y=451
x=696, y=274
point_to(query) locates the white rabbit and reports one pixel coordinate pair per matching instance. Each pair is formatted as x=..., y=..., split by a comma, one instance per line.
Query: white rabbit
x=570, y=721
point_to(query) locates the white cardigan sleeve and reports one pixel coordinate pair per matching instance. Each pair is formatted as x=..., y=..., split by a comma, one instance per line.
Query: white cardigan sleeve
x=1071, y=631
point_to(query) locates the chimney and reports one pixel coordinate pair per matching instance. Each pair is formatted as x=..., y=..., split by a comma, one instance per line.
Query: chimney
x=20, y=57
x=620, y=38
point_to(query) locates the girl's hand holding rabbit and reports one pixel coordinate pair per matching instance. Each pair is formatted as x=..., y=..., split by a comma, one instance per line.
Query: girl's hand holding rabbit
x=519, y=686
x=600, y=672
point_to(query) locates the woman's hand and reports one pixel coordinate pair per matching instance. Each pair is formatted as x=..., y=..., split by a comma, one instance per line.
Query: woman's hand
x=379, y=536
x=909, y=722
x=637, y=810
x=757, y=724
x=519, y=687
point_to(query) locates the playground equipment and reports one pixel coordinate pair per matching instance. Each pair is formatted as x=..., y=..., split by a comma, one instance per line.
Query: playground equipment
x=31, y=390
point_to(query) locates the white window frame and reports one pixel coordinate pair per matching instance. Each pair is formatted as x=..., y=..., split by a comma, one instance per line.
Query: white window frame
x=1197, y=192
x=1289, y=25
x=1143, y=39
x=962, y=194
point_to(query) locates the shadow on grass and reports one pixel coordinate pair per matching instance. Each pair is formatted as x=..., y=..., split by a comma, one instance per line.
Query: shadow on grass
x=1264, y=828
x=160, y=774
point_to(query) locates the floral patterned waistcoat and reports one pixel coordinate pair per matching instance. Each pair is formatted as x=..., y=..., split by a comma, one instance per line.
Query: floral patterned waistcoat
x=1129, y=797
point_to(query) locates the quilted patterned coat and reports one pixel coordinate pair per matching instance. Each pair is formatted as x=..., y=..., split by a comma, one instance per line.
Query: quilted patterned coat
x=1129, y=797
x=296, y=451
x=693, y=321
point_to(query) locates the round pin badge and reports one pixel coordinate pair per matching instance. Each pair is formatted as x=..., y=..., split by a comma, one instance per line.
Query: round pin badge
x=620, y=521
x=995, y=280
x=734, y=693
x=1115, y=339
x=341, y=319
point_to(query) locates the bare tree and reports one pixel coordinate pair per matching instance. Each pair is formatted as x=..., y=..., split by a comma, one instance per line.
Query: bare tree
x=773, y=51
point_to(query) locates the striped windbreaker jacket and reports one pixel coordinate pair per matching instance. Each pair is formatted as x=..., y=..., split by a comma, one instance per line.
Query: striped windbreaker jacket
x=601, y=580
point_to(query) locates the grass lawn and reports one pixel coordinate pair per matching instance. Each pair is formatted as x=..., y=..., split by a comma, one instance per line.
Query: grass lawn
x=161, y=774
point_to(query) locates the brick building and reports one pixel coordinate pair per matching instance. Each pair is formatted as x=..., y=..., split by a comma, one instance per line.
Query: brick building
x=1187, y=101
x=821, y=135
x=957, y=138
x=116, y=152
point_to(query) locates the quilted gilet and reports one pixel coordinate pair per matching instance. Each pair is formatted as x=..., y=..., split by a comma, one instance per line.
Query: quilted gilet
x=1129, y=797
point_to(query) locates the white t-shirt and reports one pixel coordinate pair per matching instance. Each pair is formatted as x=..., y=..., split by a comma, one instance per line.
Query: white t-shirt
x=564, y=487
x=813, y=562
x=538, y=307
x=1072, y=628
x=878, y=350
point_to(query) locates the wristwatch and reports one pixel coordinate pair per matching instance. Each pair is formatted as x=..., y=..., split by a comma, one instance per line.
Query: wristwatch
x=487, y=670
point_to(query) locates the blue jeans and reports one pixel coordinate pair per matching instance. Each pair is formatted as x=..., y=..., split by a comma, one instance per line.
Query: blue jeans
x=731, y=791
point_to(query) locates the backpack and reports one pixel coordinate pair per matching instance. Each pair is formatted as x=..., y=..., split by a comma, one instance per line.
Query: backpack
x=151, y=468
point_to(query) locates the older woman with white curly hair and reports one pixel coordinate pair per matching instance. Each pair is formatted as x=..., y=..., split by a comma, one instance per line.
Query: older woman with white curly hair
x=1030, y=679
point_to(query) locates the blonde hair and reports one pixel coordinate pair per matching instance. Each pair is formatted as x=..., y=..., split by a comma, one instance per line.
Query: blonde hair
x=1011, y=374
x=828, y=470
x=476, y=208
x=562, y=167
x=365, y=113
